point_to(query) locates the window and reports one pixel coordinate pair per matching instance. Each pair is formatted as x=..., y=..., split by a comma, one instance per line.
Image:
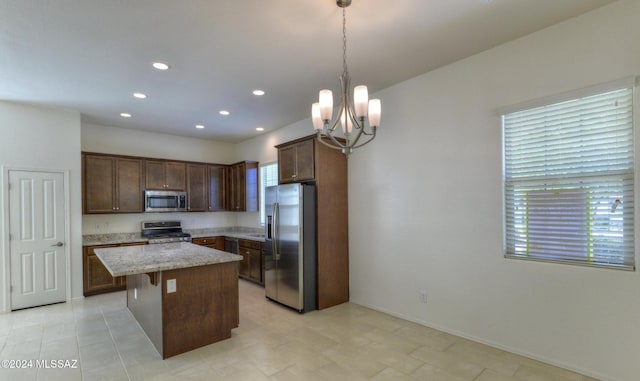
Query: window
x=268, y=177
x=569, y=180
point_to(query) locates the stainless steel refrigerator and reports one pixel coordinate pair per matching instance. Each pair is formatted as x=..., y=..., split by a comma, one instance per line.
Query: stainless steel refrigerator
x=290, y=242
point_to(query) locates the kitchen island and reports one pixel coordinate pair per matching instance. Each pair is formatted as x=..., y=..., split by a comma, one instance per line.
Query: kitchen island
x=183, y=295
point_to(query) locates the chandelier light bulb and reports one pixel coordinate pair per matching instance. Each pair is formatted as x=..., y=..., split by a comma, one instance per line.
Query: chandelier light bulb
x=315, y=116
x=375, y=111
x=361, y=100
x=326, y=104
x=345, y=121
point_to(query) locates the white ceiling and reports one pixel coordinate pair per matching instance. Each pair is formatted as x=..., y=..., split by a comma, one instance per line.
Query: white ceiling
x=91, y=55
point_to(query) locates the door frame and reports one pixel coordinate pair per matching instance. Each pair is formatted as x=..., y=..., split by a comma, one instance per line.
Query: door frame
x=5, y=250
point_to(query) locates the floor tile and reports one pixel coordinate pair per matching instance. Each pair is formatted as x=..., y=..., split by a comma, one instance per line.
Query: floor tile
x=345, y=342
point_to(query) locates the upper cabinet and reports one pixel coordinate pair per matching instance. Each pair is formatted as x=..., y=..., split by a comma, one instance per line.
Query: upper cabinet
x=295, y=162
x=112, y=184
x=217, y=177
x=243, y=187
x=197, y=188
x=116, y=184
x=165, y=175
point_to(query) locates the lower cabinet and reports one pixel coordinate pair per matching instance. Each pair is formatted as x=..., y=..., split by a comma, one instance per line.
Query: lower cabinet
x=251, y=267
x=96, y=278
x=211, y=242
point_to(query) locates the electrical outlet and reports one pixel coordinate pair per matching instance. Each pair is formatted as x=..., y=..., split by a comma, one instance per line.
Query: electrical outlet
x=171, y=286
x=423, y=296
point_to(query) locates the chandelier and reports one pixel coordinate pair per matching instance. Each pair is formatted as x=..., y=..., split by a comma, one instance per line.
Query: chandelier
x=351, y=112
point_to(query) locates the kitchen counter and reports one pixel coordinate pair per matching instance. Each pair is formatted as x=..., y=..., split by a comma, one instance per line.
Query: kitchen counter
x=130, y=260
x=184, y=296
x=119, y=238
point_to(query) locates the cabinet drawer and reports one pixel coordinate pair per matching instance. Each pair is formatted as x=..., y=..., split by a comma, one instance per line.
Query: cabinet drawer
x=211, y=242
x=247, y=243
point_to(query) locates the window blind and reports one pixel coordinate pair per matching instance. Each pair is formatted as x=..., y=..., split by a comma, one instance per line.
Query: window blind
x=569, y=181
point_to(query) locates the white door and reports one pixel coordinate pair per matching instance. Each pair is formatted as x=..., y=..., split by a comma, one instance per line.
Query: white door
x=37, y=238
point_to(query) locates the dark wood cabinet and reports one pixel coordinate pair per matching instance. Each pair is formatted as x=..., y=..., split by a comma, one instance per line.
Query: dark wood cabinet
x=197, y=188
x=96, y=278
x=328, y=170
x=217, y=177
x=211, y=242
x=116, y=184
x=165, y=175
x=296, y=162
x=112, y=184
x=243, y=187
x=251, y=264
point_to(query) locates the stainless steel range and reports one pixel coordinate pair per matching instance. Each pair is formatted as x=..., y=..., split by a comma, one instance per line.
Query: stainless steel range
x=164, y=232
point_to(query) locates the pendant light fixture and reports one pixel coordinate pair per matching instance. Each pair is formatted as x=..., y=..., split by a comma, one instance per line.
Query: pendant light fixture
x=352, y=112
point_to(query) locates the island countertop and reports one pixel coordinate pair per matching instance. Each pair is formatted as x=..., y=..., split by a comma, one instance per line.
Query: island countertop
x=131, y=260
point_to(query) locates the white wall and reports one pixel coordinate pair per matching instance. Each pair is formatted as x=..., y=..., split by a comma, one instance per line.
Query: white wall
x=42, y=138
x=425, y=204
x=430, y=213
x=121, y=141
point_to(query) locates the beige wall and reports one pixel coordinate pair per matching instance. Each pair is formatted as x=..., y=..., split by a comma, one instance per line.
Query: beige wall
x=42, y=139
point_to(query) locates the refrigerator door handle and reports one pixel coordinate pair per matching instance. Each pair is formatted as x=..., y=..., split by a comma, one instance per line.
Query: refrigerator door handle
x=275, y=233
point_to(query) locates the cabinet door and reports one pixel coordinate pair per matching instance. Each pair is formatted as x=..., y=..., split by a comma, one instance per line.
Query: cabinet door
x=196, y=187
x=287, y=165
x=217, y=187
x=305, y=160
x=255, y=265
x=96, y=277
x=237, y=187
x=296, y=162
x=175, y=175
x=99, y=184
x=129, y=186
x=244, y=264
x=154, y=174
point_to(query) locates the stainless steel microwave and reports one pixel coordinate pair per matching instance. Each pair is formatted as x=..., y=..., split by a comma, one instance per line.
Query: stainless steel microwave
x=165, y=201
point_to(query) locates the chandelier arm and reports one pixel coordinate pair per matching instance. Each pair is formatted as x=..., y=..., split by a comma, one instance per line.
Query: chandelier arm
x=372, y=136
x=319, y=137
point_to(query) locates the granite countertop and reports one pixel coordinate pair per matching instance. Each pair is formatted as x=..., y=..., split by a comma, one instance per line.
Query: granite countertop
x=131, y=260
x=255, y=234
x=242, y=233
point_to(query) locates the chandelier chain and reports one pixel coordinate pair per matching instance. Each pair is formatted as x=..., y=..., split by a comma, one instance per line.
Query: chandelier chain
x=344, y=40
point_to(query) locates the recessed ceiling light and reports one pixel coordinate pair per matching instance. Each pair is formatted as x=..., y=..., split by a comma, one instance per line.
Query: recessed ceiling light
x=259, y=129
x=258, y=92
x=224, y=112
x=160, y=66
x=140, y=95
x=200, y=126
x=125, y=115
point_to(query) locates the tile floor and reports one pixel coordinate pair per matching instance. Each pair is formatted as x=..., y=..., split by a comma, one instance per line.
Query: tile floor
x=347, y=342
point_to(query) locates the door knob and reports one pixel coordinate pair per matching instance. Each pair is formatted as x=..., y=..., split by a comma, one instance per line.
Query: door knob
x=59, y=244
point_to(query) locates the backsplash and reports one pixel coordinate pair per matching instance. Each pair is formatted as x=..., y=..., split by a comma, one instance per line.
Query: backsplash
x=130, y=223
